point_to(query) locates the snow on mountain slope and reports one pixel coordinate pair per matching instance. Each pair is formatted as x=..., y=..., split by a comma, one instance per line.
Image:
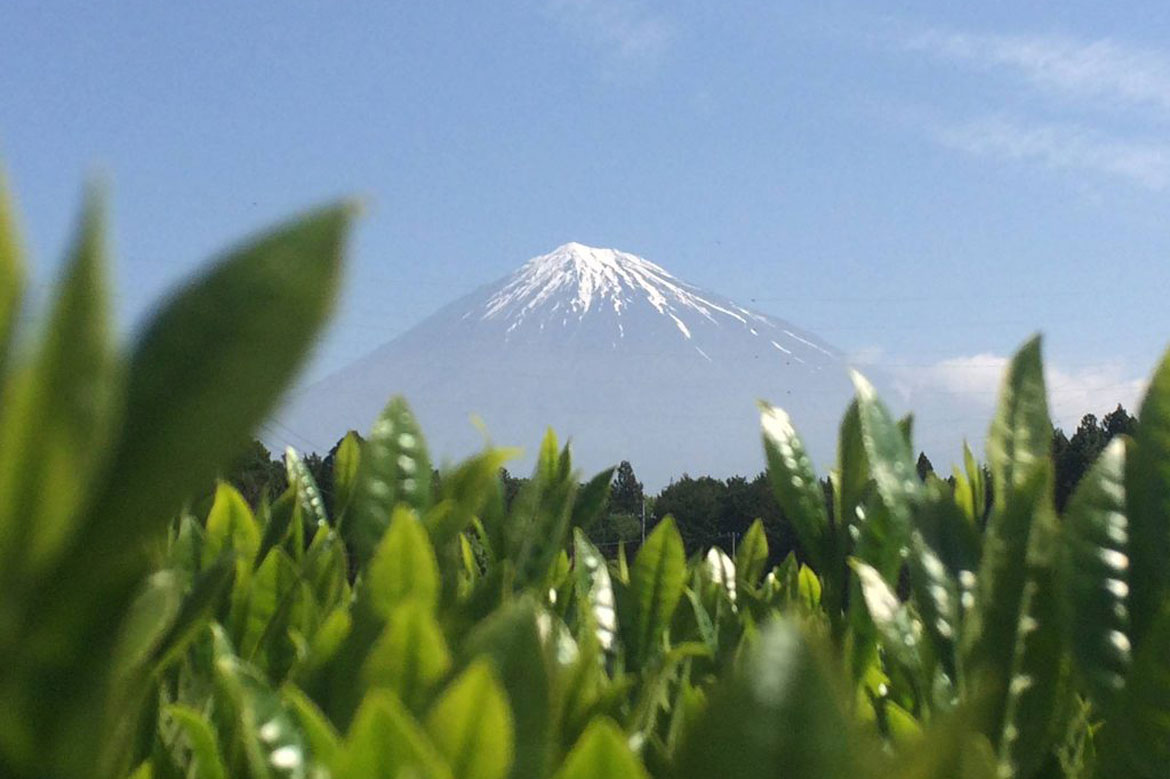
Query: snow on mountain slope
x=607, y=348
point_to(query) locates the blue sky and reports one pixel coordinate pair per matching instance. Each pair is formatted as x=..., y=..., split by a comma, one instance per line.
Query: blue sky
x=922, y=184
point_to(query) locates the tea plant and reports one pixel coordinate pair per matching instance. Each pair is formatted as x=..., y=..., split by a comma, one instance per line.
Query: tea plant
x=430, y=628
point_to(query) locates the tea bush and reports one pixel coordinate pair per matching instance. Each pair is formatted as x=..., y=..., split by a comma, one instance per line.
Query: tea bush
x=435, y=630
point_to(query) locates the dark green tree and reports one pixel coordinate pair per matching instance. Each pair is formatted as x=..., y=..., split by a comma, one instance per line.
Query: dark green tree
x=257, y=475
x=697, y=506
x=923, y=466
x=1073, y=456
x=1119, y=422
x=625, y=497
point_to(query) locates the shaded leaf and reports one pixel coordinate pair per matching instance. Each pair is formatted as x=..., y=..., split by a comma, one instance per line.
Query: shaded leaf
x=207, y=763
x=11, y=271
x=511, y=639
x=1098, y=575
x=1148, y=492
x=779, y=716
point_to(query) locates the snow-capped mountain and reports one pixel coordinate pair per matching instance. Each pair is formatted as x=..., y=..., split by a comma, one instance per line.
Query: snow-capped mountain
x=609, y=349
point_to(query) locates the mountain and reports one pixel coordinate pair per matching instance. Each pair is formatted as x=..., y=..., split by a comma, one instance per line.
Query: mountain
x=610, y=350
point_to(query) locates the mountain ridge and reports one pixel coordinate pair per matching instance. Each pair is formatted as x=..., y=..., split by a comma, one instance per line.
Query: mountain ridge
x=611, y=350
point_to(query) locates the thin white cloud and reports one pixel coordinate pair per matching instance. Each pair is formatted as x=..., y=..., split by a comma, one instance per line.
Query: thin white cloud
x=969, y=387
x=1089, y=71
x=1068, y=147
x=625, y=32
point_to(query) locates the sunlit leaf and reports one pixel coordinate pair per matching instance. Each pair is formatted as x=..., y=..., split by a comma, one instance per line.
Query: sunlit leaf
x=230, y=524
x=595, y=590
x=601, y=751
x=410, y=657
x=57, y=415
x=471, y=725
x=386, y=742
x=752, y=555
x=656, y=584
x=345, y=473
x=394, y=468
x=403, y=566
x=795, y=483
x=1021, y=432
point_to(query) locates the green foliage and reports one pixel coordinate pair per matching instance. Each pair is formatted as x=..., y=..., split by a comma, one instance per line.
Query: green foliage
x=364, y=615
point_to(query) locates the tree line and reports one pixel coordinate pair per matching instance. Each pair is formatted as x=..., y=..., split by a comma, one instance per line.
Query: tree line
x=708, y=511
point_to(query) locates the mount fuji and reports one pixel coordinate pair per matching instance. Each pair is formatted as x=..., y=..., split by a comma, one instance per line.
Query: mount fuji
x=609, y=349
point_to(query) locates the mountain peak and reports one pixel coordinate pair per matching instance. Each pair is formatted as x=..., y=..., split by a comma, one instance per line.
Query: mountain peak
x=591, y=263
x=575, y=278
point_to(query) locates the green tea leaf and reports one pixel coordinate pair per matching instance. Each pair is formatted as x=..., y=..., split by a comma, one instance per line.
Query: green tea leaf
x=11, y=272
x=993, y=628
x=891, y=461
x=1137, y=735
x=937, y=596
x=853, y=477
x=204, y=597
x=410, y=657
x=1148, y=493
x=795, y=483
x=1097, y=577
x=346, y=465
x=657, y=581
x=721, y=572
x=752, y=555
x=541, y=515
x=308, y=493
x=1021, y=433
x=595, y=592
x=601, y=751
x=322, y=739
x=393, y=468
x=511, y=639
x=385, y=742
x=148, y=619
x=1038, y=665
x=472, y=725
x=900, y=632
x=272, y=743
x=196, y=387
x=207, y=763
x=403, y=566
x=1015, y=633
x=230, y=525
x=268, y=603
x=591, y=500
x=779, y=716
x=58, y=412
